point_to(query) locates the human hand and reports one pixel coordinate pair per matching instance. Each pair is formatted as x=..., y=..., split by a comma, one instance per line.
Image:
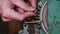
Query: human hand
x=25, y=5
x=9, y=14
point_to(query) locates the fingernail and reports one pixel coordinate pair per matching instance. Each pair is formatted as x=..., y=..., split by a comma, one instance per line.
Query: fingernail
x=32, y=9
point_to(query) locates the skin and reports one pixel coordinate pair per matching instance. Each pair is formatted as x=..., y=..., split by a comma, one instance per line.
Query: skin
x=13, y=18
x=9, y=13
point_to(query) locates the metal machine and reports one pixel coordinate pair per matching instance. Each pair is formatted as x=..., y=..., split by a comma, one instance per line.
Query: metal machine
x=40, y=21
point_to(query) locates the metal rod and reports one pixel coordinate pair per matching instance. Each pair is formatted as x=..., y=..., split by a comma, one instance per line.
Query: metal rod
x=41, y=18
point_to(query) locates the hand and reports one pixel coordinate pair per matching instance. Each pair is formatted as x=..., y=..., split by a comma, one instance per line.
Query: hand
x=9, y=14
x=25, y=5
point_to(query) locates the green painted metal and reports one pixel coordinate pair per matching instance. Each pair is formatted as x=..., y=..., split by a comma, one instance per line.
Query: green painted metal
x=54, y=16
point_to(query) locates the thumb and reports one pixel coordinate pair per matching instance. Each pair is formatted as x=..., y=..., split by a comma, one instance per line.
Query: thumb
x=33, y=3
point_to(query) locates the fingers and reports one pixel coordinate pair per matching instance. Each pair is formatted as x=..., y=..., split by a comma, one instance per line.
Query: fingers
x=23, y=5
x=0, y=12
x=21, y=17
x=11, y=14
x=33, y=3
x=8, y=14
x=20, y=10
x=30, y=13
x=5, y=19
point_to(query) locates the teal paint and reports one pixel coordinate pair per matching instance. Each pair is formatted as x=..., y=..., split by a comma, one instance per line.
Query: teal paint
x=54, y=16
